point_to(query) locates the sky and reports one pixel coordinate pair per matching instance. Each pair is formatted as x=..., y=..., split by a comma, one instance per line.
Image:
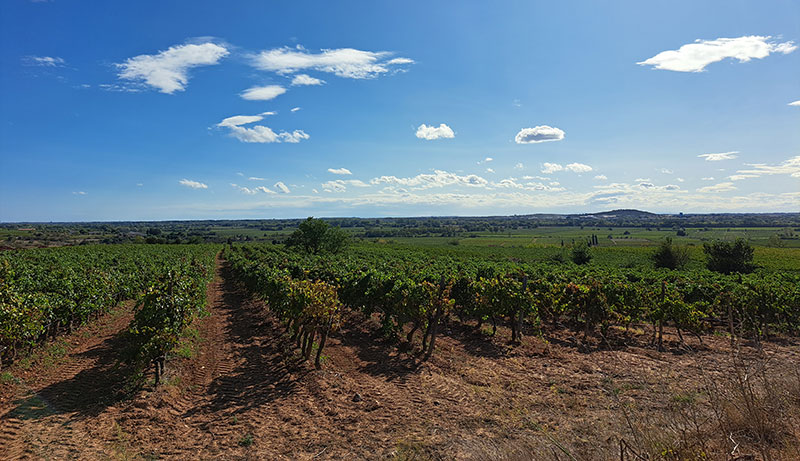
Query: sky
x=154, y=110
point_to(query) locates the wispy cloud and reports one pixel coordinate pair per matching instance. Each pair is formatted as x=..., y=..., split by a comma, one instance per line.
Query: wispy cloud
x=192, y=184
x=721, y=187
x=720, y=156
x=433, y=132
x=794, y=103
x=601, y=177
x=44, y=61
x=342, y=62
x=340, y=185
x=694, y=57
x=537, y=134
x=303, y=79
x=294, y=109
x=263, y=93
x=258, y=133
x=168, y=70
x=341, y=171
x=790, y=167
x=80, y=192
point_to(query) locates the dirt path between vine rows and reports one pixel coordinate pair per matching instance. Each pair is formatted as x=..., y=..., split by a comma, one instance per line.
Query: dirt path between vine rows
x=244, y=393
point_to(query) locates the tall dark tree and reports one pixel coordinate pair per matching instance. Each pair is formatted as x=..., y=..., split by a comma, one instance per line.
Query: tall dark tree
x=317, y=236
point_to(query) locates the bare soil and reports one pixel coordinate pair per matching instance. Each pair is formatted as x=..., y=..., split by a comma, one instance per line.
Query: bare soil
x=245, y=394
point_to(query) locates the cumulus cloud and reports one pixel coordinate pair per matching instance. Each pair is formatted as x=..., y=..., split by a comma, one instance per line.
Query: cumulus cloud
x=303, y=80
x=709, y=178
x=281, y=187
x=44, y=61
x=340, y=185
x=263, y=93
x=342, y=62
x=519, y=166
x=432, y=132
x=601, y=177
x=341, y=171
x=795, y=103
x=549, y=168
x=168, y=71
x=258, y=133
x=438, y=178
x=578, y=168
x=490, y=170
x=694, y=57
x=537, y=134
x=721, y=187
x=192, y=184
x=720, y=156
x=253, y=190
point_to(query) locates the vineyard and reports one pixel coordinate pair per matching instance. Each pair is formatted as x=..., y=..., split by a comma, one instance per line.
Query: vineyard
x=390, y=350
x=420, y=290
x=44, y=293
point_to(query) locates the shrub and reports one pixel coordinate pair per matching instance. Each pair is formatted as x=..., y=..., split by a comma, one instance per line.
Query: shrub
x=581, y=253
x=670, y=256
x=727, y=257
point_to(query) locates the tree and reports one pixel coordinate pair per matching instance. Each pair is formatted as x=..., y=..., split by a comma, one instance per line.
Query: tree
x=670, y=256
x=727, y=257
x=581, y=253
x=316, y=236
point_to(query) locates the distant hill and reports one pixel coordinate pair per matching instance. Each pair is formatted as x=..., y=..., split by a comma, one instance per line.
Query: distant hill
x=617, y=214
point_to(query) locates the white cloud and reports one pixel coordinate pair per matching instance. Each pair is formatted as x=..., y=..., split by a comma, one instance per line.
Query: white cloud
x=721, y=187
x=790, y=167
x=710, y=178
x=739, y=177
x=720, y=156
x=294, y=137
x=431, y=132
x=666, y=171
x=488, y=159
x=168, y=70
x=519, y=166
x=294, y=109
x=281, y=187
x=537, y=134
x=252, y=191
x=341, y=171
x=642, y=180
x=548, y=168
x=578, y=168
x=255, y=178
x=694, y=57
x=343, y=62
x=44, y=61
x=192, y=184
x=334, y=186
x=489, y=170
x=238, y=120
x=80, y=192
x=438, y=178
x=400, y=61
x=646, y=185
x=263, y=93
x=795, y=103
x=679, y=179
x=303, y=79
x=601, y=177
x=258, y=133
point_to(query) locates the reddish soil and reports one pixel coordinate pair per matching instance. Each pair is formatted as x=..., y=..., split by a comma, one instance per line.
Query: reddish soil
x=246, y=395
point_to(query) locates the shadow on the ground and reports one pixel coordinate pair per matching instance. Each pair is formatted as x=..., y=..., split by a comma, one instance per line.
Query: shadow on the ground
x=266, y=372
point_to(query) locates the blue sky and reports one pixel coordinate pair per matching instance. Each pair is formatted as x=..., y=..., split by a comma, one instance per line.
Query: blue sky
x=198, y=109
